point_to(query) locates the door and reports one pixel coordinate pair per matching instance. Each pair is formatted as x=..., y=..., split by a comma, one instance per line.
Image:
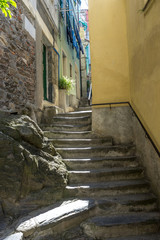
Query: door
x=44, y=73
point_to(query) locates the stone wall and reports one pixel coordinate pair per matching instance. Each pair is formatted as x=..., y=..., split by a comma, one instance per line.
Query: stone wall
x=115, y=122
x=17, y=62
x=122, y=124
x=147, y=156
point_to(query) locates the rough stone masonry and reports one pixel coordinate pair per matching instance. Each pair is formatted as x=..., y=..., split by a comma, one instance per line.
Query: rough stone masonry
x=32, y=174
x=17, y=62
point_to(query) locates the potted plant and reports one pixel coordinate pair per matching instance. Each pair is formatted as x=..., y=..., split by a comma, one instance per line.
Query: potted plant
x=66, y=83
x=65, y=86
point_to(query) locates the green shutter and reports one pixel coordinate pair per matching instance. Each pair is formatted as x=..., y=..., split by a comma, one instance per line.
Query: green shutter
x=44, y=74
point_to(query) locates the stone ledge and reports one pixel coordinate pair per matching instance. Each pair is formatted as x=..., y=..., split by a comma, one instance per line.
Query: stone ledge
x=53, y=216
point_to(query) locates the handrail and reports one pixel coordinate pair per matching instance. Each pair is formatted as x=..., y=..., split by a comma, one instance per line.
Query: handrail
x=147, y=134
x=111, y=103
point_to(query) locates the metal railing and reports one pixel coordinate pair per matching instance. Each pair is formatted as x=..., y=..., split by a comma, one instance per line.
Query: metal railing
x=135, y=114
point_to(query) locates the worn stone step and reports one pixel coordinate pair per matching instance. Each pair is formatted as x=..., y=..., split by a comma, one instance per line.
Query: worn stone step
x=68, y=135
x=81, y=142
x=44, y=222
x=66, y=127
x=51, y=220
x=14, y=236
x=79, y=113
x=110, y=188
x=105, y=227
x=98, y=151
x=155, y=236
x=84, y=108
x=128, y=203
x=72, y=120
x=115, y=161
x=105, y=174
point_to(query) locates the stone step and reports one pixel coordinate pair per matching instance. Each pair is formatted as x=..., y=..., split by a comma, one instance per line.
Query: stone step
x=127, y=203
x=79, y=113
x=72, y=120
x=155, y=236
x=84, y=102
x=100, y=151
x=110, y=188
x=105, y=174
x=15, y=236
x=68, y=135
x=84, y=108
x=51, y=220
x=44, y=222
x=132, y=224
x=81, y=142
x=124, y=161
x=66, y=127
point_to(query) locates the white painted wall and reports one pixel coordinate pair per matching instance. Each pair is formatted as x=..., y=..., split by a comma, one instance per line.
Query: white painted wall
x=53, y=8
x=34, y=3
x=29, y=28
x=38, y=18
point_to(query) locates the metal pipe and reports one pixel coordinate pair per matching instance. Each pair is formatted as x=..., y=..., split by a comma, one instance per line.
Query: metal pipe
x=99, y=104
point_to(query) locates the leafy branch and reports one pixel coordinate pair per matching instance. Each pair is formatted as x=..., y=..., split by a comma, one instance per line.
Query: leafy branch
x=5, y=7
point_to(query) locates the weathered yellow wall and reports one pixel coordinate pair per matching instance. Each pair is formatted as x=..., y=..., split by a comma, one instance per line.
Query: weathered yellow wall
x=144, y=58
x=109, y=51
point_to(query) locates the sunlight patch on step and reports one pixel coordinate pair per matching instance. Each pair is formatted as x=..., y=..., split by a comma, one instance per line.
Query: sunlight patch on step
x=52, y=216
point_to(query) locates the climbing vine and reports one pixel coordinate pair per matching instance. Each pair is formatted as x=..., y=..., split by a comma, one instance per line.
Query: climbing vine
x=5, y=7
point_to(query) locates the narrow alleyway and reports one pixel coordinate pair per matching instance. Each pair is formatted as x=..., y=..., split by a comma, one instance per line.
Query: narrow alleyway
x=69, y=172
x=107, y=196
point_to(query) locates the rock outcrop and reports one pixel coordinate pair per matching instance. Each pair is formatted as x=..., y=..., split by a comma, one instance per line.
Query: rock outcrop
x=32, y=174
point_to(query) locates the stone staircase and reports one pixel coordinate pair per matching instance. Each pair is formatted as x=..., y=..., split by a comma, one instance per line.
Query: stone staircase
x=107, y=196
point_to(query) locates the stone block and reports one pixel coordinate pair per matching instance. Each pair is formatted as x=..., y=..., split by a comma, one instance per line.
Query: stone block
x=32, y=173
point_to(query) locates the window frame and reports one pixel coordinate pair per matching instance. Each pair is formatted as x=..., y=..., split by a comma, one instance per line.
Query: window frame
x=70, y=70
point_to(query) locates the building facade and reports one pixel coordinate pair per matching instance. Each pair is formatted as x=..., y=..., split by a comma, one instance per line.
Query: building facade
x=85, y=59
x=36, y=51
x=125, y=54
x=70, y=46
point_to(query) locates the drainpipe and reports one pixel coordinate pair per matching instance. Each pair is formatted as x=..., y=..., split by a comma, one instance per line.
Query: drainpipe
x=80, y=73
x=58, y=63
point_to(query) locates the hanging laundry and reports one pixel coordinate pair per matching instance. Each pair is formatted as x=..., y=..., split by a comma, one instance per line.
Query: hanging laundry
x=74, y=38
x=81, y=48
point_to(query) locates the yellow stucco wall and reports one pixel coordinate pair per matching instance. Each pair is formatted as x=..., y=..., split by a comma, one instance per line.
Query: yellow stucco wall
x=125, y=57
x=144, y=58
x=109, y=54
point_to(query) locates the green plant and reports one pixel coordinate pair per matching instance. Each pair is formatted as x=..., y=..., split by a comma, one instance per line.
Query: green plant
x=65, y=83
x=5, y=5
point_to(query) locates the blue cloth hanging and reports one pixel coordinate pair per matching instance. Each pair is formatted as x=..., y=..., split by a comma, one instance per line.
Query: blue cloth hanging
x=74, y=38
